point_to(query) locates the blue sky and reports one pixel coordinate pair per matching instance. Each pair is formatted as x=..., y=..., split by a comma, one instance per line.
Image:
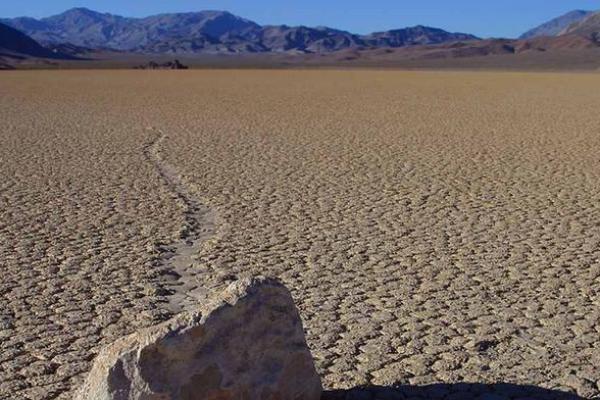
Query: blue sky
x=486, y=18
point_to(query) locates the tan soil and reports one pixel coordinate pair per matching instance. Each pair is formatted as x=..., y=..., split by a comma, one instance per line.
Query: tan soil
x=433, y=227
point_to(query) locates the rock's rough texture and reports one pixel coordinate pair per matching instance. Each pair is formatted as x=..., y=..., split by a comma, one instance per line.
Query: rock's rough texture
x=247, y=343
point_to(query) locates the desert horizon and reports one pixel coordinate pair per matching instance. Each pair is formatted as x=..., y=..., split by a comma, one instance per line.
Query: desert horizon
x=83, y=38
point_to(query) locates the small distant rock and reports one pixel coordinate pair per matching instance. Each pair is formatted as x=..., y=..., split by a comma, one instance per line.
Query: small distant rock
x=168, y=65
x=247, y=343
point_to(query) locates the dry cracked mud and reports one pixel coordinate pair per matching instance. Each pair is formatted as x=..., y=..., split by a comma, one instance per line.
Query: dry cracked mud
x=440, y=232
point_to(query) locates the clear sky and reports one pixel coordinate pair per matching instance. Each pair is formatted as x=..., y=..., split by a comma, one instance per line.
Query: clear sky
x=485, y=18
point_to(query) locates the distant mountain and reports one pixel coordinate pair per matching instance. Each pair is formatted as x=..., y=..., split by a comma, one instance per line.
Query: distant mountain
x=209, y=32
x=557, y=25
x=418, y=35
x=588, y=27
x=87, y=28
x=304, y=39
x=14, y=43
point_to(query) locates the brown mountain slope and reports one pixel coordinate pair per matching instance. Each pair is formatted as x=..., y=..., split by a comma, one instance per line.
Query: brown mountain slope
x=555, y=26
x=588, y=27
x=477, y=48
x=564, y=42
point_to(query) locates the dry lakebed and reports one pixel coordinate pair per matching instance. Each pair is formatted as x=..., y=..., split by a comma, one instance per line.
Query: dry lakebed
x=433, y=227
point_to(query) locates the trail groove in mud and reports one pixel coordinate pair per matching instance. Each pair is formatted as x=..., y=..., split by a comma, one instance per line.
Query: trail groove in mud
x=186, y=288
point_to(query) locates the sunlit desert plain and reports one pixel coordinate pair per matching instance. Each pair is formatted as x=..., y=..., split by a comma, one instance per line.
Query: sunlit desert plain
x=434, y=227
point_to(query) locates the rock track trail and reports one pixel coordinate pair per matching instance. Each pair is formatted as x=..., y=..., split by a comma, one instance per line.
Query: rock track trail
x=185, y=288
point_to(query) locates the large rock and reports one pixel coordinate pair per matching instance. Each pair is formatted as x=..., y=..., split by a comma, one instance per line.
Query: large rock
x=248, y=343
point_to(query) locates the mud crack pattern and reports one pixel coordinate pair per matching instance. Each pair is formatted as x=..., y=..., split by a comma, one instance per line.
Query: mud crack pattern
x=435, y=228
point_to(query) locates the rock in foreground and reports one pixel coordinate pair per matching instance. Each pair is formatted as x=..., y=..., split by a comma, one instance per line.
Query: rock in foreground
x=248, y=343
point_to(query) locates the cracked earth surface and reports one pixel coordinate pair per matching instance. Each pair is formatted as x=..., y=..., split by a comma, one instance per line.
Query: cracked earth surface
x=433, y=227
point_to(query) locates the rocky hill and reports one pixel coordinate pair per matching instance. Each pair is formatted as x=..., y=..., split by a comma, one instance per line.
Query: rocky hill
x=417, y=35
x=555, y=26
x=14, y=43
x=588, y=27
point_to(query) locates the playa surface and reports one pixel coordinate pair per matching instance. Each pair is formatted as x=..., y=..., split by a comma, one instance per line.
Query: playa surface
x=434, y=227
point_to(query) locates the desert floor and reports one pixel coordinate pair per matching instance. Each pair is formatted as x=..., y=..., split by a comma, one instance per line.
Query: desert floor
x=434, y=227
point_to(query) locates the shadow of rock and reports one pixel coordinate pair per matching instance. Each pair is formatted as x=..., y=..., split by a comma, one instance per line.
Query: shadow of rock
x=458, y=391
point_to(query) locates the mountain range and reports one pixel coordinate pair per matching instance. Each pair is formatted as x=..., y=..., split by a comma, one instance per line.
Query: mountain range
x=209, y=32
x=81, y=32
